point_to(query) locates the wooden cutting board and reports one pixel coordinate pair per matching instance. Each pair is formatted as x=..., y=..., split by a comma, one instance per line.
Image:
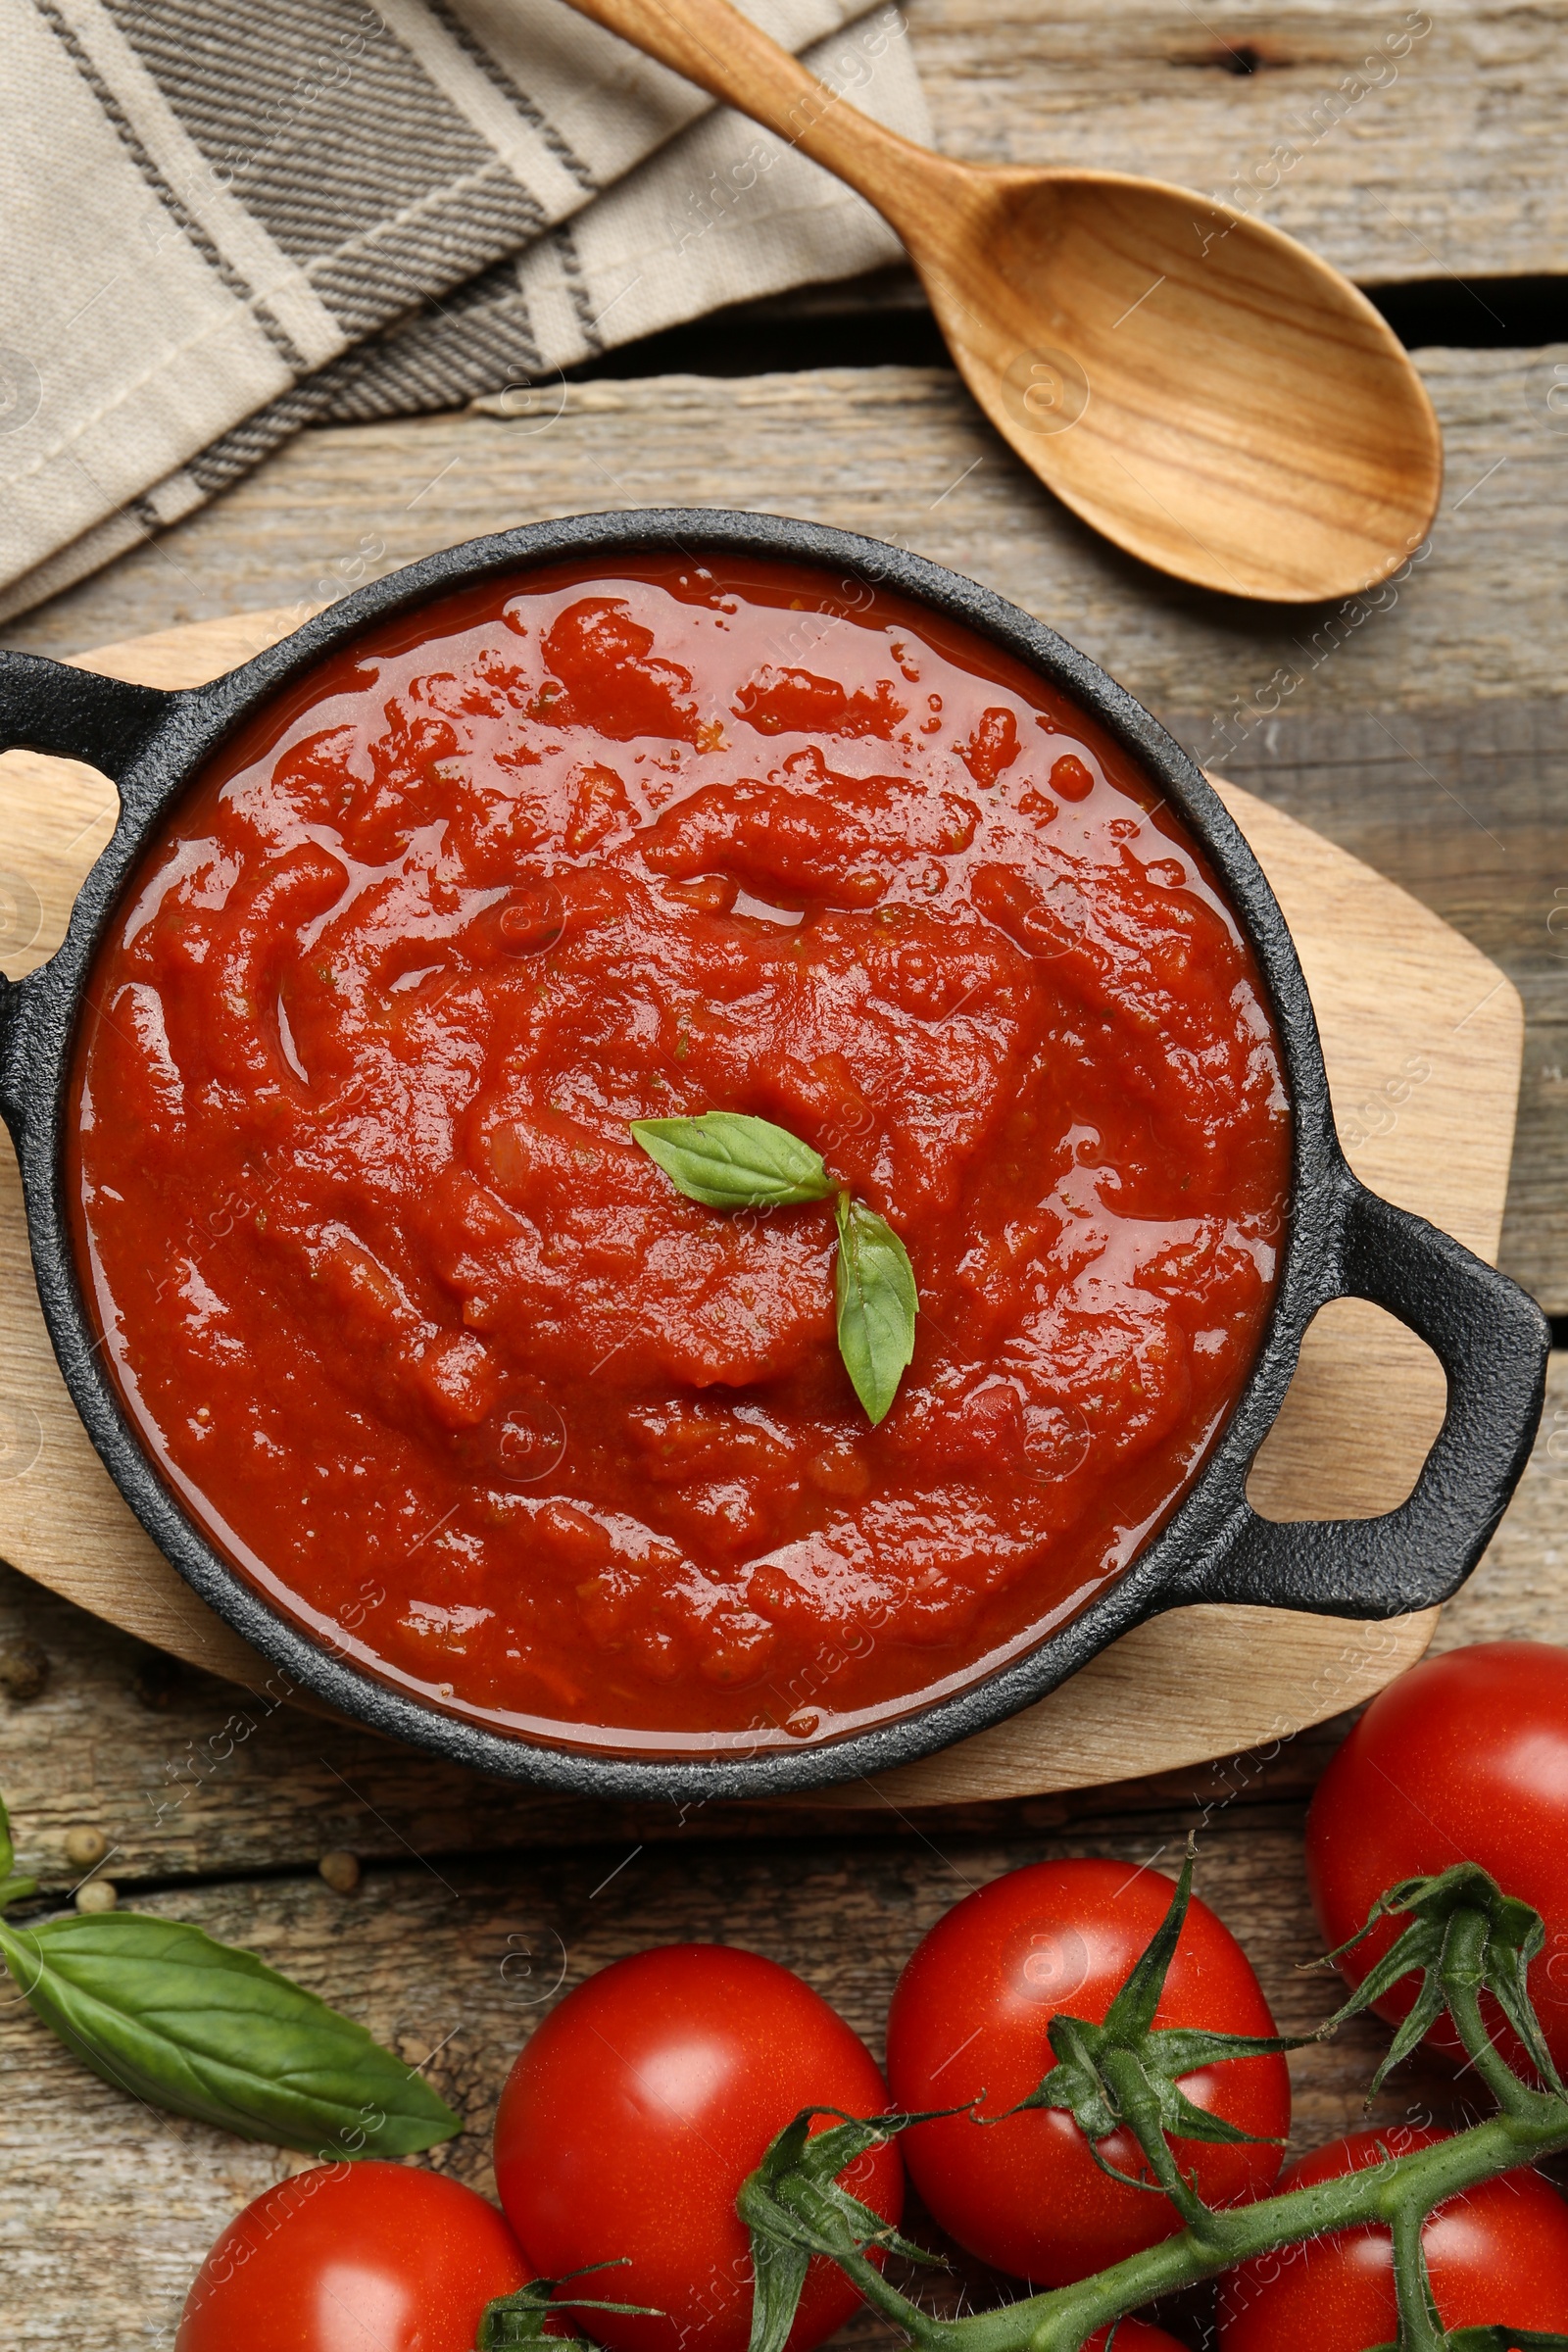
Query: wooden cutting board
x=1423, y=1038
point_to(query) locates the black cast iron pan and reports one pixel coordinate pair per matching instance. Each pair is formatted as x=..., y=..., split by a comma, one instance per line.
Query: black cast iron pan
x=1342, y=1239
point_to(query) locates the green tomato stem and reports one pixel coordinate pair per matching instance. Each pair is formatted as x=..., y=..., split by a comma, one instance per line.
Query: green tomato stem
x=1140, y=2112
x=1062, y=2319
x=1514, y=2097
x=1398, y=2196
x=1462, y=1975
x=935, y=2335
x=1421, y=2328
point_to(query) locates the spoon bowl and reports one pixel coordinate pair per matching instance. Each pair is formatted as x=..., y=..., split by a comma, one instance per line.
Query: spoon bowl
x=1191, y=382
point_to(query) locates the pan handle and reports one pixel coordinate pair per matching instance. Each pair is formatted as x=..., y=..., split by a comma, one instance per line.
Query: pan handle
x=77, y=714
x=1493, y=1341
x=68, y=714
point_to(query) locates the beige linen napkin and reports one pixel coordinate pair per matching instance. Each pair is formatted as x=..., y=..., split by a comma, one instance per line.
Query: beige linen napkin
x=229, y=223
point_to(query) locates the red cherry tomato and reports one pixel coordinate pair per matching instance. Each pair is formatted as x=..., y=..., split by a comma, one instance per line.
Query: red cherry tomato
x=353, y=2258
x=969, y=2021
x=633, y=2116
x=1496, y=2257
x=1464, y=1758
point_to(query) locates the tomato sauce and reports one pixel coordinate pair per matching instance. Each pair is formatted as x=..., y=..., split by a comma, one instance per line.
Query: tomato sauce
x=445, y=1363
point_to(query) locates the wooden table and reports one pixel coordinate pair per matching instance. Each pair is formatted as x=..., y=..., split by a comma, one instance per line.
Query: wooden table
x=1427, y=731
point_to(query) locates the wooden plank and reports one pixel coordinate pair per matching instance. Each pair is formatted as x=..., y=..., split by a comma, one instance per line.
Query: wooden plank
x=903, y=454
x=1520, y=1590
x=1404, y=1004
x=459, y=1959
x=1392, y=165
x=1465, y=807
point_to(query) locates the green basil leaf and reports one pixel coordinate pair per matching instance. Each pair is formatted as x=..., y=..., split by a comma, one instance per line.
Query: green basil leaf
x=727, y=1160
x=873, y=1283
x=161, y=2011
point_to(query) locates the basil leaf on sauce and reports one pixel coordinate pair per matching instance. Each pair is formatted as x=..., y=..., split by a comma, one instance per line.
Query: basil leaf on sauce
x=160, y=2010
x=727, y=1160
x=873, y=1283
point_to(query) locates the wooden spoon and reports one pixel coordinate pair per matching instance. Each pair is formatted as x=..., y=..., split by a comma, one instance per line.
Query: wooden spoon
x=1197, y=385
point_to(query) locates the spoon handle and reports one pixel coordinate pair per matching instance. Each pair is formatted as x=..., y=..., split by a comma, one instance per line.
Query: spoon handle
x=724, y=53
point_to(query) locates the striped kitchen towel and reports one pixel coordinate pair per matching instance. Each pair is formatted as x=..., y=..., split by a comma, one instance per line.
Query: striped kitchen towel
x=227, y=222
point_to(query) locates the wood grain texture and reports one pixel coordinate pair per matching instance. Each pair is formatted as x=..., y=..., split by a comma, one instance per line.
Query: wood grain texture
x=1410, y=1013
x=1391, y=167
x=900, y=453
x=1195, y=385
x=1188, y=380
x=1465, y=807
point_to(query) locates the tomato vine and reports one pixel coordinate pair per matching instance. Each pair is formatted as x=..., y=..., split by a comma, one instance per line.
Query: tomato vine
x=1464, y=1938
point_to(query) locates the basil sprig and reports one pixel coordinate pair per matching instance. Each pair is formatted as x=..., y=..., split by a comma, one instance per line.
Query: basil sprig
x=727, y=1160
x=163, y=2011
